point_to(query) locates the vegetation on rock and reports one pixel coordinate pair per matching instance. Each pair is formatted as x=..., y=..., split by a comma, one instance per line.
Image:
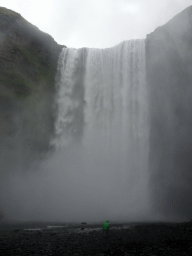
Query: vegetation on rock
x=28, y=64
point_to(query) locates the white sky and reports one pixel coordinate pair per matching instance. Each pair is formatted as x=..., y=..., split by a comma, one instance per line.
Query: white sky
x=96, y=23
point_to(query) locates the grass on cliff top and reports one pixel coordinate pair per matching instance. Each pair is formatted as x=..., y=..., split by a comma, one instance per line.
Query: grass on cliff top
x=8, y=12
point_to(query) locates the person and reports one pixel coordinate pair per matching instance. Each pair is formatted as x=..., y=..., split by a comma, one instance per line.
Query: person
x=106, y=226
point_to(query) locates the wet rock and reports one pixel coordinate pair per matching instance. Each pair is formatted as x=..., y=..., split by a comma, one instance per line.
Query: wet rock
x=28, y=65
x=169, y=78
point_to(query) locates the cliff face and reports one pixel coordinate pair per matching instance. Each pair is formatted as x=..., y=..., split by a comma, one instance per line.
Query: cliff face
x=169, y=74
x=28, y=63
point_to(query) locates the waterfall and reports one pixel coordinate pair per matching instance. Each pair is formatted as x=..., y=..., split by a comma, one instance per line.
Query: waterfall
x=101, y=129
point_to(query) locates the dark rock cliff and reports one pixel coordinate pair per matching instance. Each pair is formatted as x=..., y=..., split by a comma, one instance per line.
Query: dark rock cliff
x=28, y=64
x=169, y=74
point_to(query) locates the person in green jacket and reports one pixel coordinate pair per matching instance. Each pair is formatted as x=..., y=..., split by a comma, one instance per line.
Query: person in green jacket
x=106, y=225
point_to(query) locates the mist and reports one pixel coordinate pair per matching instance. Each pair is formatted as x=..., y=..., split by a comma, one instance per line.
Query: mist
x=97, y=166
x=120, y=149
x=74, y=185
x=169, y=80
x=63, y=190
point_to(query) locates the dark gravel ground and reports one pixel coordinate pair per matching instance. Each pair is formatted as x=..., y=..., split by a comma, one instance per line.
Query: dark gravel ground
x=122, y=239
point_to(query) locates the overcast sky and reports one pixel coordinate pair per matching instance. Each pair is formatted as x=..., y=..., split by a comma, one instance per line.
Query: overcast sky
x=96, y=23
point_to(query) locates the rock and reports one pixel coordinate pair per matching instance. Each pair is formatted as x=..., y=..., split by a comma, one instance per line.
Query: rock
x=169, y=79
x=1, y=215
x=28, y=65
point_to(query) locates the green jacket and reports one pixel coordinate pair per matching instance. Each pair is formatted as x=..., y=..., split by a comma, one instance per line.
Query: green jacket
x=106, y=225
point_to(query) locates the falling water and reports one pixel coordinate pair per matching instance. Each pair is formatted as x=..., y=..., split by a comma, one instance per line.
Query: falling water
x=101, y=130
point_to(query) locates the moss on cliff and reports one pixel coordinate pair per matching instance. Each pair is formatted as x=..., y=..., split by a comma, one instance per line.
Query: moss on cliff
x=28, y=64
x=8, y=12
x=16, y=83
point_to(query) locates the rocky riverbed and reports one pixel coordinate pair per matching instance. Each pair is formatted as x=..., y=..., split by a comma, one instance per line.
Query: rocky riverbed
x=89, y=239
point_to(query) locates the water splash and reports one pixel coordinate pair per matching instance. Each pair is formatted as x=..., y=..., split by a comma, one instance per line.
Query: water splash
x=101, y=128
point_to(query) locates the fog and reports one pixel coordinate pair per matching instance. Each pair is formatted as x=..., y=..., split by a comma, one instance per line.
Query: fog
x=97, y=166
x=58, y=193
x=100, y=172
x=169, y=80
